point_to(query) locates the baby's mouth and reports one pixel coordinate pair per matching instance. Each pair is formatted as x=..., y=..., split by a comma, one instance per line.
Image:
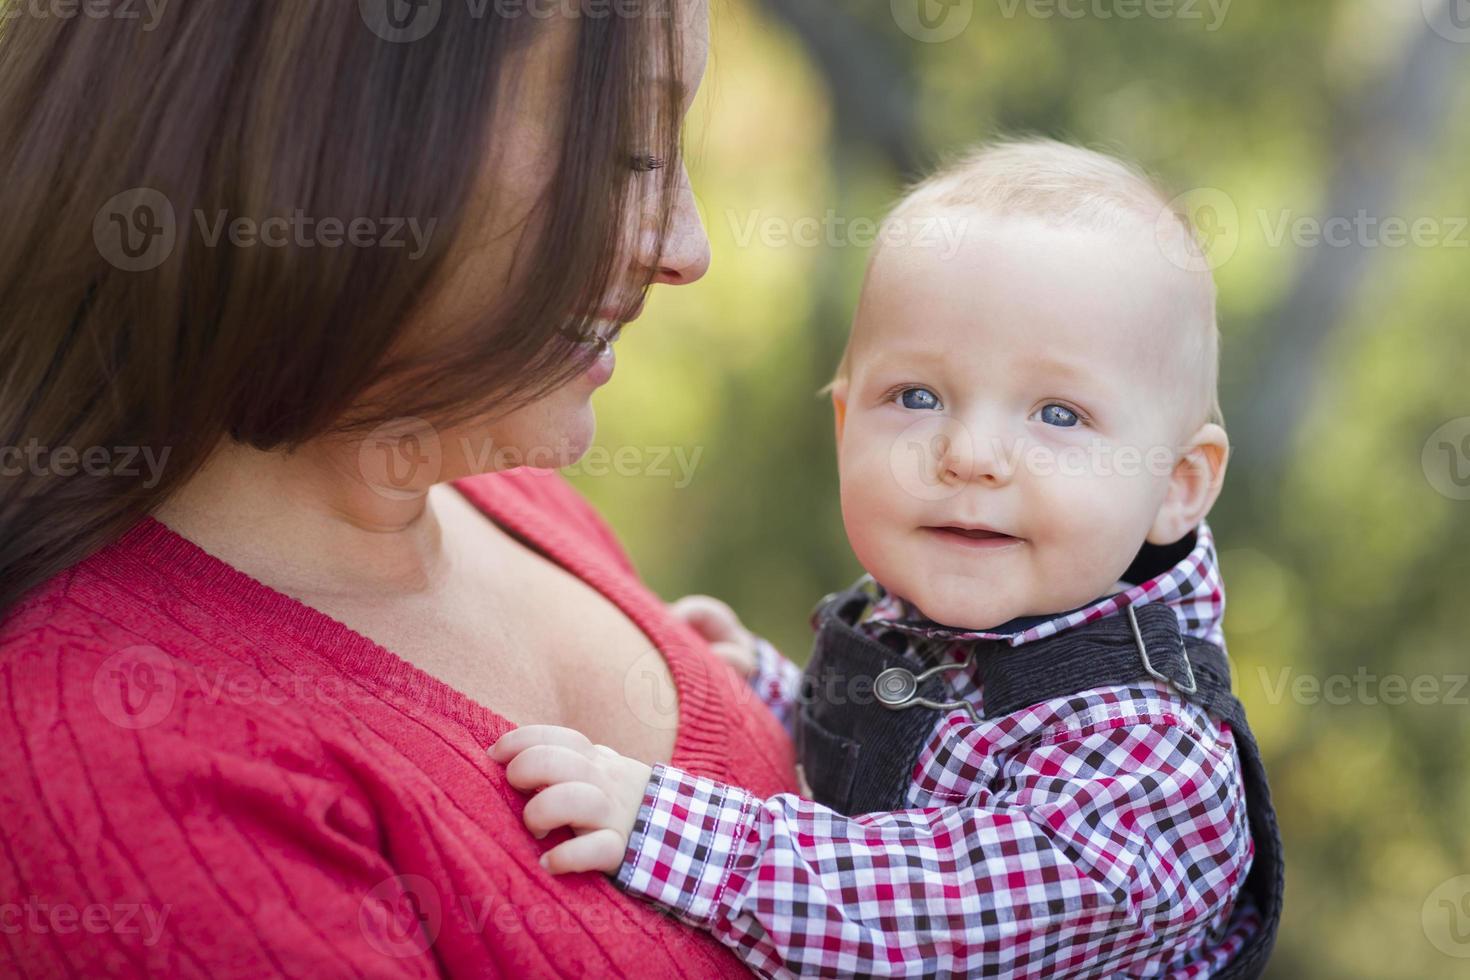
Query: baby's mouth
x=971, y=537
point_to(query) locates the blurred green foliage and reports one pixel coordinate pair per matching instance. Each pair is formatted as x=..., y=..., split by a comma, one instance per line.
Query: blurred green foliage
x=1344, y=565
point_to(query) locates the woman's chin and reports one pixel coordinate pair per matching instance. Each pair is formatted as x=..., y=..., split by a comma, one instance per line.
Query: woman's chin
x=548, y=435
x=564, y=436
x=581, y=433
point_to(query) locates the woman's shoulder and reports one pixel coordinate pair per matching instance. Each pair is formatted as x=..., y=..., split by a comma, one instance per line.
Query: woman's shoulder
x=89, y=665
x=142, y=779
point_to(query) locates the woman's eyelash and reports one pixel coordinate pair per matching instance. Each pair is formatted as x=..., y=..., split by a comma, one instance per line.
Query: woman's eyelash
x=647, y=162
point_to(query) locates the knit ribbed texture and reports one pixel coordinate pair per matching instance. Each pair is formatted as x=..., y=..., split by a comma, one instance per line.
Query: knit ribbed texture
x=204, y=777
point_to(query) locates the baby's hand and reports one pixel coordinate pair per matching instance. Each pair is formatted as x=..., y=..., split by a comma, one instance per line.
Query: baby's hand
x=721, y=629
x=589, y=788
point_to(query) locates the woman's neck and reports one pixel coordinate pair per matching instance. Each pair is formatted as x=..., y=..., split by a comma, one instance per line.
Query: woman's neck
x=308, y=523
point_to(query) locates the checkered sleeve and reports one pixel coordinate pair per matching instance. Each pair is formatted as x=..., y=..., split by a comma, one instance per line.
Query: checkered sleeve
x=776, y=682
x=1112, y=850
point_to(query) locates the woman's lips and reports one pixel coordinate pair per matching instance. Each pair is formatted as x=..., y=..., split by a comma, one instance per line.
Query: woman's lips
x=604, y=362
x=608, y=327
x=980, y=539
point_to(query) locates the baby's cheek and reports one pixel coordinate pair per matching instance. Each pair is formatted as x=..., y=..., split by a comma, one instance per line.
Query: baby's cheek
x=879, y=531
x=1090, y=532
x=871, y=499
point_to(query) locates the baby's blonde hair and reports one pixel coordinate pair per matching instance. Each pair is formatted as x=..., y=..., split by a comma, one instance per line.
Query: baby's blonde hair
x=1076, y=187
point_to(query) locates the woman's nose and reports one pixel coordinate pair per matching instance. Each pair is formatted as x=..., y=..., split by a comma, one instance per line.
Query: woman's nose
x=686, y=254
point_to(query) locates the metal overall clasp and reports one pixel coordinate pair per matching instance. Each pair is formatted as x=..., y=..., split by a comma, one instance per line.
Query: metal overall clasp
x=1186, y=686
x=898, y=688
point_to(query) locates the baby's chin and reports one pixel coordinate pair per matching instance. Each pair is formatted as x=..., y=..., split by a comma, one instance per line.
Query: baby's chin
x=973, y=608
x=977, y=605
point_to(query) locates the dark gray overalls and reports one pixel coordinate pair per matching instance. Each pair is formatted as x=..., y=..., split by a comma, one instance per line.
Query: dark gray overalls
x=866, y=711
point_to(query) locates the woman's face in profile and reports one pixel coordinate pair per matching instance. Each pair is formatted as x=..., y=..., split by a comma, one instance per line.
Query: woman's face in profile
x=490, y=258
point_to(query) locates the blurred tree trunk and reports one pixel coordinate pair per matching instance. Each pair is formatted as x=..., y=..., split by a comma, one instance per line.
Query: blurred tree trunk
x=1380, y=140
x=872, y=92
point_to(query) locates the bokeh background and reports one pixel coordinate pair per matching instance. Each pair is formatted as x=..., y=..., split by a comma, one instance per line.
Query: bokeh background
x=1323, y=144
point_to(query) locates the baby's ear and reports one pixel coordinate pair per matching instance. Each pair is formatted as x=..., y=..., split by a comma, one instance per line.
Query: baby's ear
x=1193, y=485
x=839, y=406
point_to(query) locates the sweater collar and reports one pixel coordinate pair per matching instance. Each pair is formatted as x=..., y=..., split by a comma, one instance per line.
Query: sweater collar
x=1184, y=576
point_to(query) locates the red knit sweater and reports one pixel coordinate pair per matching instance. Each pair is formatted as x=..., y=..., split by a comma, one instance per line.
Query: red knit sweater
x=204, y=777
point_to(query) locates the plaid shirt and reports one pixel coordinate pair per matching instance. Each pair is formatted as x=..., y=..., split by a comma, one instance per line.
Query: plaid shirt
x=1099, y=834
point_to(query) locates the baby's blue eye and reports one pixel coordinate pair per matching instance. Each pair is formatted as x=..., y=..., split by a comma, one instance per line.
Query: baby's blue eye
x=1059, y=416
x=919, y=398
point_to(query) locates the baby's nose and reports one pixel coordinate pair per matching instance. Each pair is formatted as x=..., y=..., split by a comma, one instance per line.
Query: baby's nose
x=968, y=456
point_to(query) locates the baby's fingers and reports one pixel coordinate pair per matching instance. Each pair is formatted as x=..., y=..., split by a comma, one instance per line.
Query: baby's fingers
x=601, y=850
x=544, y=765
x=707, y=616
x=738, y=655
x=578, y=805
x=517, y=740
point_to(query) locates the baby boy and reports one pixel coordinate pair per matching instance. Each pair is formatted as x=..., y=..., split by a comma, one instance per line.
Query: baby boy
x=1020, y=753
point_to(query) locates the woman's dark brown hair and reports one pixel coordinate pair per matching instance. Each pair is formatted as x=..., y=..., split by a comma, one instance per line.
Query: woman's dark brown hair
x=127, y=335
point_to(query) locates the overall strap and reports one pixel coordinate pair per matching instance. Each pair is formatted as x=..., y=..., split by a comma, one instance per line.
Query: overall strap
x=1139, y=644
x=1136, y=645
x=857, y=756
x=859, y=752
